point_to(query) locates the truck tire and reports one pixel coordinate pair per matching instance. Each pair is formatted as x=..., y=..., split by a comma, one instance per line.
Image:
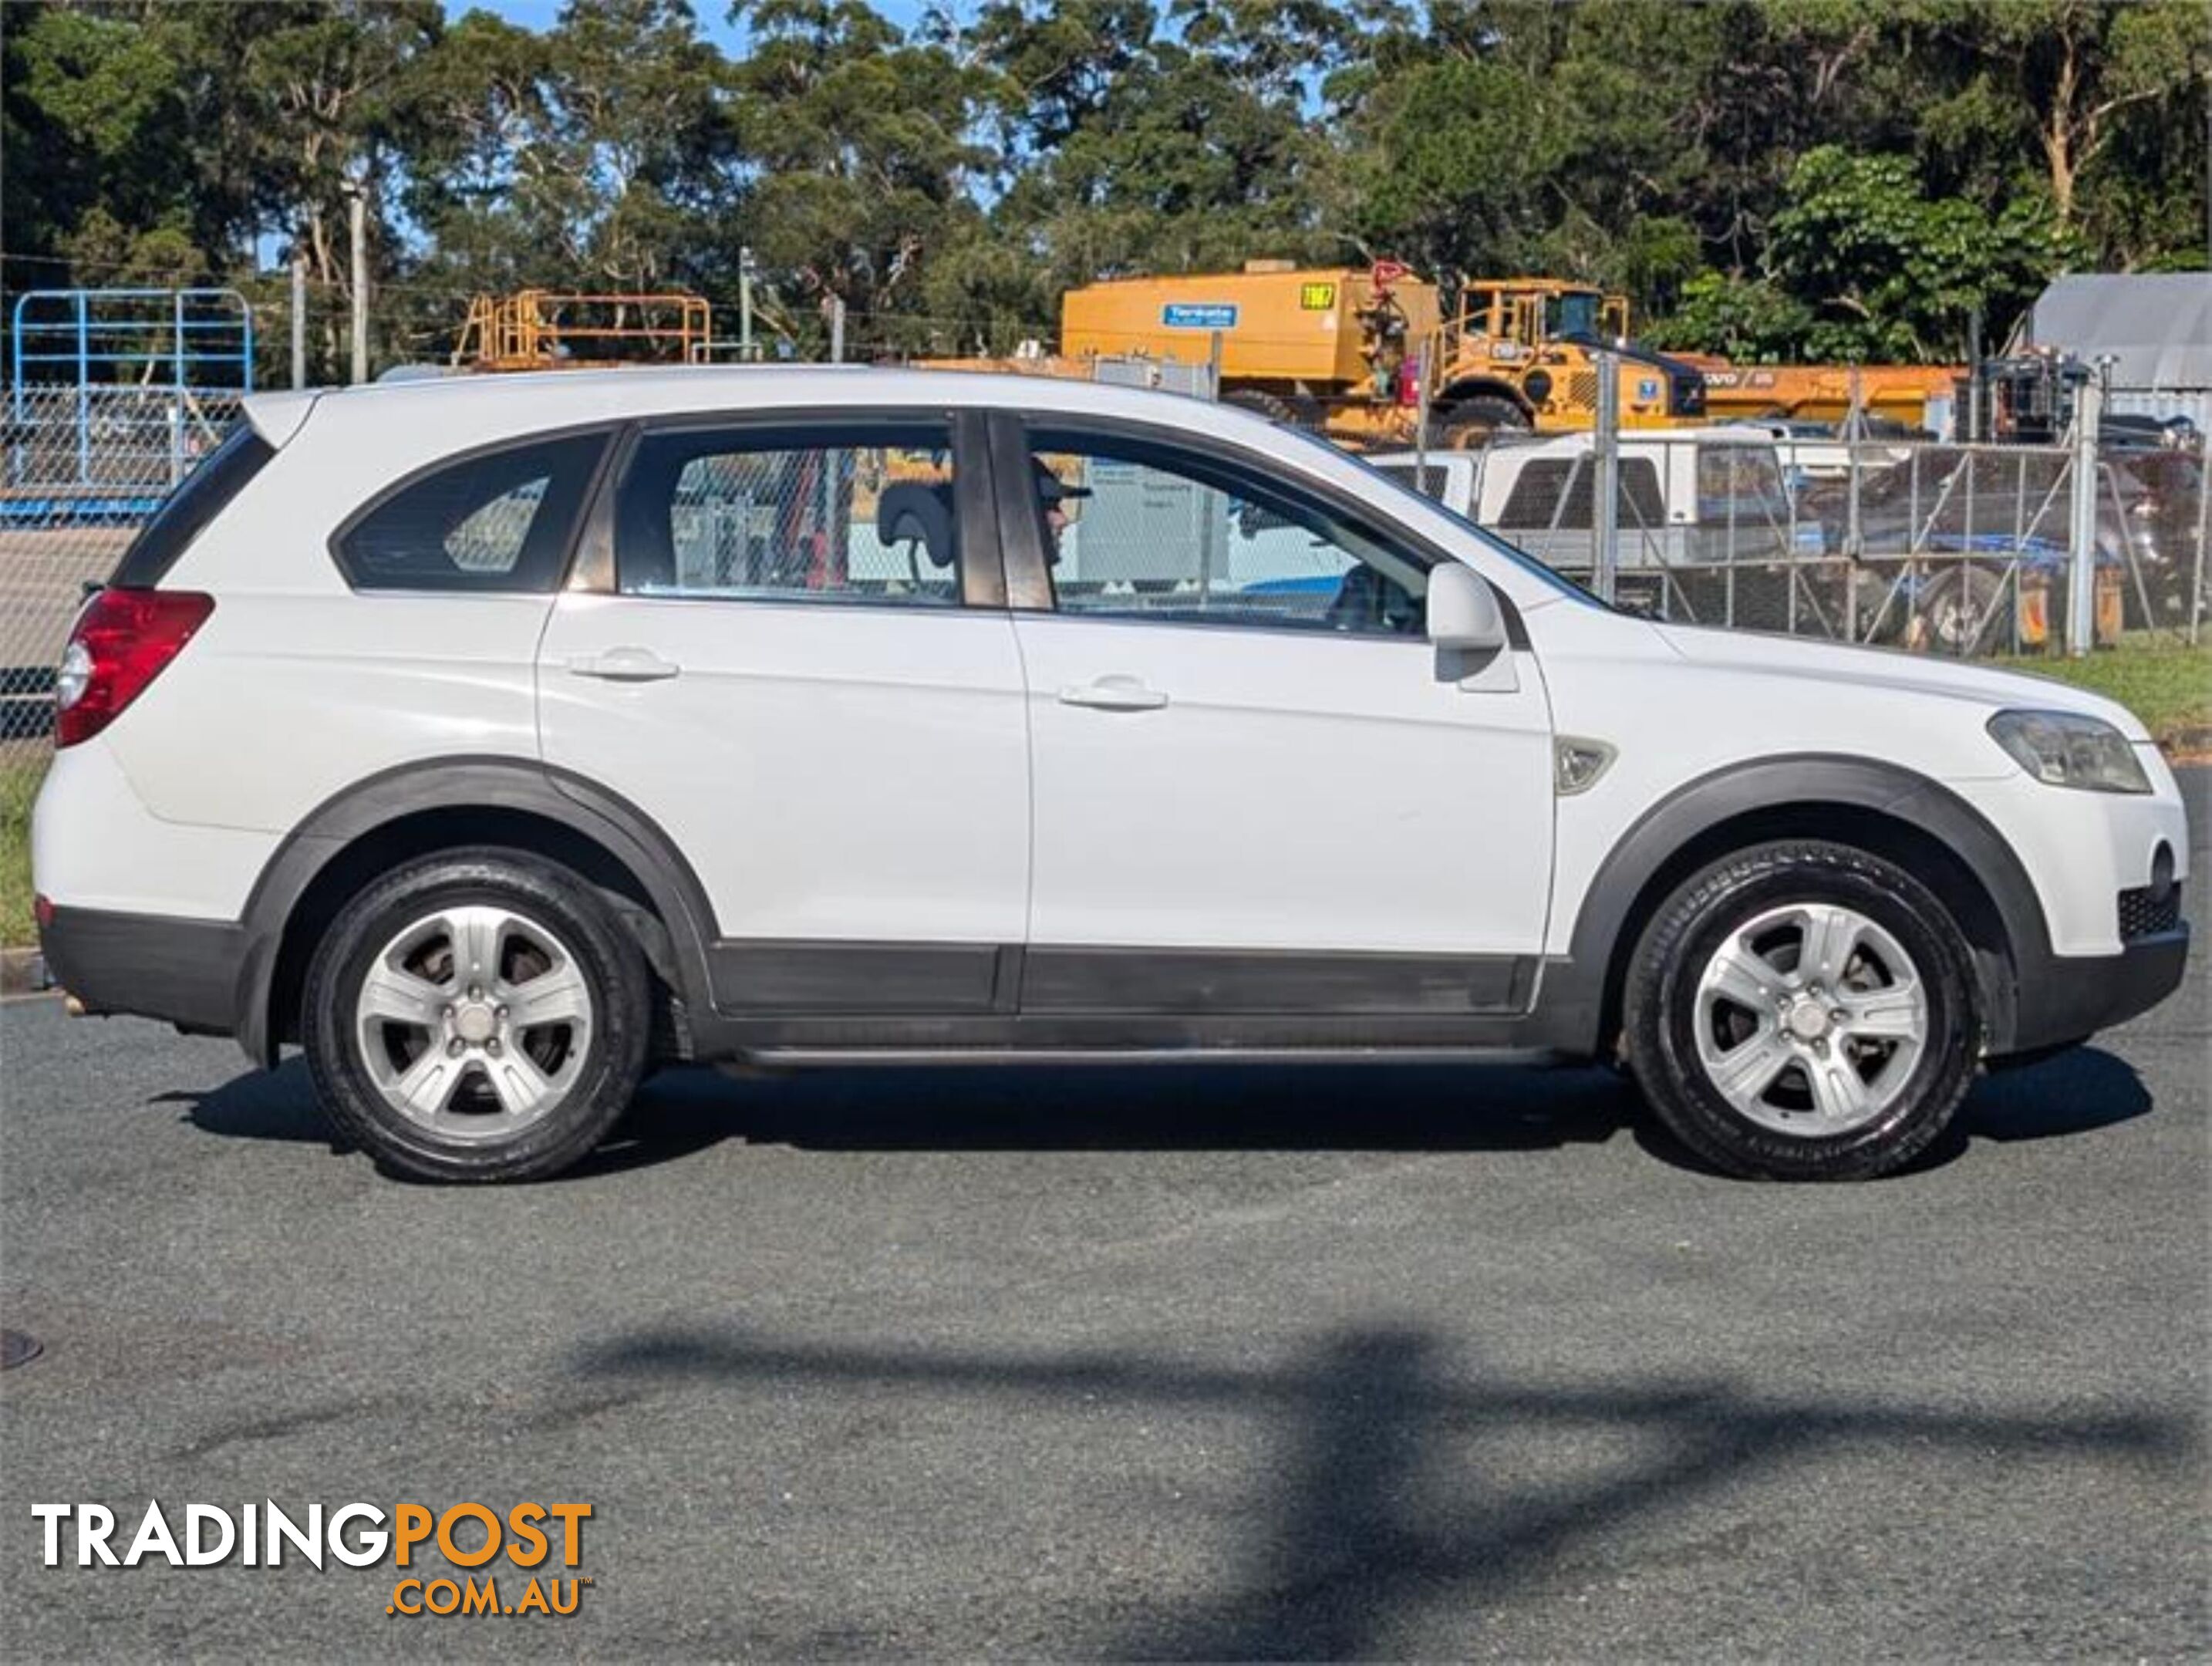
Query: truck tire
x=1958, y=613
x=1470, y=424
x=1298, y=413
x=1802, y=1011
x=477, y=1015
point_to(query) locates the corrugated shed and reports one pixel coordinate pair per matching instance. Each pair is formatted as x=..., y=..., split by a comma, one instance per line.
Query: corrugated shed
x=2157, y=324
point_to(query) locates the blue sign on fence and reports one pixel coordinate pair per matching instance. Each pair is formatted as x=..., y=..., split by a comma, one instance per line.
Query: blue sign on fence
x=1199, y=315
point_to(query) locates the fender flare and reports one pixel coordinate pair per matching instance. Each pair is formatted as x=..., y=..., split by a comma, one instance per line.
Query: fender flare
x=1577, y=991
x=592, y=812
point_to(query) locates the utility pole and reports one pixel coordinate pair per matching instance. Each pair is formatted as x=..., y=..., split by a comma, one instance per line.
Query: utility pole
x=357, y=211
x=299, y=320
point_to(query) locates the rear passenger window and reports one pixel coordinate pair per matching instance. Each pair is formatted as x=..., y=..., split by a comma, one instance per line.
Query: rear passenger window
x=497, y=522
x=856, y=511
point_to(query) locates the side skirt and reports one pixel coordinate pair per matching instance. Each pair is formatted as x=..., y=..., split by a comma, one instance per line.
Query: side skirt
x=792, y=1003
x=801, y=1058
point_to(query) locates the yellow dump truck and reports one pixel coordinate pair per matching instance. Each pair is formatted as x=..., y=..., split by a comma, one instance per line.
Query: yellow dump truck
x=1828, y=392
x=1289, y=338
x=1520, y=352
x=1346, y=351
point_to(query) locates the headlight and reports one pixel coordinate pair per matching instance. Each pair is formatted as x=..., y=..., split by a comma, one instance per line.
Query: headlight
x=2062, y=750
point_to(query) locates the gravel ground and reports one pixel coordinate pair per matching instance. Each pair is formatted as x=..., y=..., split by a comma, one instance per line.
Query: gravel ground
x=1173, y=1362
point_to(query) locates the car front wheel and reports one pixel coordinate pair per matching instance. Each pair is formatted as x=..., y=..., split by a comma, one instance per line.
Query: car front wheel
x=1803, y=1011
x=478, y=1015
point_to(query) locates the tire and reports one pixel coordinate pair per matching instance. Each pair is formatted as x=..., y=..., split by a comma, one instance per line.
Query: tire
x=1770, y=1086
x=1958, y=612
x=1306, y=415
x=1468, y=425
x=508, y=1099
x=1261, y=402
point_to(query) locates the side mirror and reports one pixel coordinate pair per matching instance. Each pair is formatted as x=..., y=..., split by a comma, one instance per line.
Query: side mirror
x=1463, y=611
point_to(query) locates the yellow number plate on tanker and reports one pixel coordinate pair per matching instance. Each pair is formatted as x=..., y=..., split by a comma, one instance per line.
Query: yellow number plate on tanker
x=1316, y=297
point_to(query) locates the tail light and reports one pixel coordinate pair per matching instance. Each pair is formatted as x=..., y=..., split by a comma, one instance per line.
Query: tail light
x=123, y=640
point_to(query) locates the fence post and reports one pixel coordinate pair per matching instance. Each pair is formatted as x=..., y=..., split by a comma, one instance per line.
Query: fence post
x=83, y=391
x=1421, y=427
x=1605, y=502
x=2081, y=532
x=745, y=305
x=2204, y=537
x=1854, y=529
x=836, y=329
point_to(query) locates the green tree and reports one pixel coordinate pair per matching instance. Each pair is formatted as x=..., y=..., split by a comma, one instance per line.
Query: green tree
x=100, y=172
x=1137, y=147
x=2058, y=81
x=858, y=161
x=1863, y=267
x=1747, y=319
x=1830, y=177
x=1887, y=273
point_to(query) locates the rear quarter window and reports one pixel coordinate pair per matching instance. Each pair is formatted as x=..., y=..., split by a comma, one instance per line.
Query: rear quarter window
x=492, y=520
x=185, y=513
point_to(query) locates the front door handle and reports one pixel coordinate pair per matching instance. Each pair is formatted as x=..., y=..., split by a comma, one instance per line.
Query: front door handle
x=1115, y=694
x=624, y=665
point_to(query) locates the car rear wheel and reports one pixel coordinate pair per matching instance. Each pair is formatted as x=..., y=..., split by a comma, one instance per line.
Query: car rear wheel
x=1803, y=1011
x=476, y=1016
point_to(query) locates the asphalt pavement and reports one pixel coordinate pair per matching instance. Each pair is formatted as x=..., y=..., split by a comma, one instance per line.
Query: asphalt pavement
x=1192, y=1362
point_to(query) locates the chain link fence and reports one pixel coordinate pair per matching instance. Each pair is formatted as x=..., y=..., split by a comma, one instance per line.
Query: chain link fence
x=1945, y=548
x=81, y=469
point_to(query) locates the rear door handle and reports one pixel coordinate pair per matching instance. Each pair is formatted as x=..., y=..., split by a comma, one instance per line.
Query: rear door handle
x=624, y=665
x=1113, y=694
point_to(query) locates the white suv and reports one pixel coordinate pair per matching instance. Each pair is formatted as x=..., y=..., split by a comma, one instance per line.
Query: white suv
x=497, y=740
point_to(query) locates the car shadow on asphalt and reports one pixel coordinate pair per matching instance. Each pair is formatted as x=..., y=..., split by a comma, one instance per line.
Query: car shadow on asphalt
x=1217, y=1107
x=1375, y=1501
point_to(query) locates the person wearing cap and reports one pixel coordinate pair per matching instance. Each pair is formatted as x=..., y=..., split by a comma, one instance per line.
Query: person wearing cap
x=1055, y=493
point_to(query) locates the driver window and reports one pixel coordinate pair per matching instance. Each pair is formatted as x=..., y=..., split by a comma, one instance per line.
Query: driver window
x=1135, y=529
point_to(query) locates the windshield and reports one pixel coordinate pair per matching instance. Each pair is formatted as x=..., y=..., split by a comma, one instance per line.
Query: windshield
x=1528, y=563
x=1571, y=315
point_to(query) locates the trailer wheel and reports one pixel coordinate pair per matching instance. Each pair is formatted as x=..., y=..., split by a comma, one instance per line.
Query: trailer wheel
x=1470, y=424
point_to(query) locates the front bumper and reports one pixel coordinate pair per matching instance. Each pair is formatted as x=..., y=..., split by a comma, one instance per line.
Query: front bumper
x=2068, y=998
x=187, y=972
